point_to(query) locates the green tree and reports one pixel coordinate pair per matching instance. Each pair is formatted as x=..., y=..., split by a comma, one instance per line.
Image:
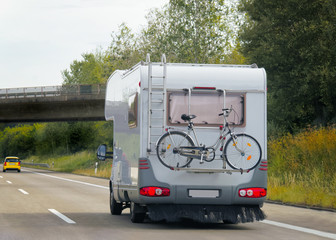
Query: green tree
x=294, y=41
x=190, y=31
x=123, y=51
x=90, y=70
x=17, y=141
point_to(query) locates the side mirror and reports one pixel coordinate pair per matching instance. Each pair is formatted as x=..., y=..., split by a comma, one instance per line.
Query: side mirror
x=102, y=153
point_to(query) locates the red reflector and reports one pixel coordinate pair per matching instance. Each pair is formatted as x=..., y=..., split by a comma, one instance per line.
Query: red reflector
x=154, y=191
x=19, y=163
x=252, y=192
x=142, y=168
x=204, y=88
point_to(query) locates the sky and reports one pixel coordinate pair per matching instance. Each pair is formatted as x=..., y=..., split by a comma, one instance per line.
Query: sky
x=41, y=38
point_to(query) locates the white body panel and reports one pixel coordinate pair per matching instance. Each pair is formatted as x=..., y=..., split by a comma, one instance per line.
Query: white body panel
x=130, y=144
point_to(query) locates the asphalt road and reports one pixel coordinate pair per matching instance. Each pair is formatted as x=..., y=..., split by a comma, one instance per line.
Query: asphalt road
x=38, y=204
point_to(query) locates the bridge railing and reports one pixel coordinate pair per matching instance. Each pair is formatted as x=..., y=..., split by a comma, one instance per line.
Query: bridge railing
x=52, y=91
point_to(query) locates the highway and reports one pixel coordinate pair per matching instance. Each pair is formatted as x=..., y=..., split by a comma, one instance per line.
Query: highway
x=39, y=204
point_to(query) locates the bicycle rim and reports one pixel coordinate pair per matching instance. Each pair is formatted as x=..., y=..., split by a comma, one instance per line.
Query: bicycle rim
x=168, y=147
x=250, y=157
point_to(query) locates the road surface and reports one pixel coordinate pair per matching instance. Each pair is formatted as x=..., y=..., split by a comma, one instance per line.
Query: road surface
x=38, y=204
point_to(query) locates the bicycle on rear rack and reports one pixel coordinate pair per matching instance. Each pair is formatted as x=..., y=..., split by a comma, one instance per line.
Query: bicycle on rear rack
x=177, y=149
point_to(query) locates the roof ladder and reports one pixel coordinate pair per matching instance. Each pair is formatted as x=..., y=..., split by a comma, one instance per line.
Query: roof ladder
x=157, y=101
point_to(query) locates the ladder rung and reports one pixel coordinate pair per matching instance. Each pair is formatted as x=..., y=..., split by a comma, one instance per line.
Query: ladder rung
x=157, y=117
x=157, y=93
x=157, y=126
x=157, y=101
x=157, y=109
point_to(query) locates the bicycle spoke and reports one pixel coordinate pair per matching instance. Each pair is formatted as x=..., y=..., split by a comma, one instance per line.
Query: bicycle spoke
x=243, y=152
x=168, y=149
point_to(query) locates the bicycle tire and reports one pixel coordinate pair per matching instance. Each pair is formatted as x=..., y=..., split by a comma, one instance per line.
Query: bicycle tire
x=251, y=156
x=167, y=149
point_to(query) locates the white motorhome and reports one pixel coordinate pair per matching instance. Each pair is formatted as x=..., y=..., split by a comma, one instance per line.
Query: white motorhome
x=146, y=101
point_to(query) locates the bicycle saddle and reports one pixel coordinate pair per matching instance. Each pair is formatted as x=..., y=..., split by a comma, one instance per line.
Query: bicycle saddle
x=186, y=117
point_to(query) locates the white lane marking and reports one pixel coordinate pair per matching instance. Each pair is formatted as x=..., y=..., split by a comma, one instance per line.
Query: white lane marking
x=63, y=217
x=301, y=229
x=69, y=180
x=9, y=182
x=1, y=176
x=23, y=191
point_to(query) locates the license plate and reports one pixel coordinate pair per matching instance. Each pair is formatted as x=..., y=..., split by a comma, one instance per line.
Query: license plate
x=12, y=164
x=203, y=193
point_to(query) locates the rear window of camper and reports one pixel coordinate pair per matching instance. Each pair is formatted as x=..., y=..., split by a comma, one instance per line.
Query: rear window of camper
x=206, y=106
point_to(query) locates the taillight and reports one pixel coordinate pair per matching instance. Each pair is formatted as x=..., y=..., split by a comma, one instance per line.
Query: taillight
x=252, y=192
x=154, y=191
x=5, y=163
x=19, y=163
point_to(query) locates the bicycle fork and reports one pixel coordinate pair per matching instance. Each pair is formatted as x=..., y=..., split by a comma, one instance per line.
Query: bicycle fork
x=235, y=143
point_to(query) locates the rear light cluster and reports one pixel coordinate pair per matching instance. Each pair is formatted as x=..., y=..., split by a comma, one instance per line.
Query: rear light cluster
x=252, y=192
x=154, y=191
x=19, y=163
x=5, y=163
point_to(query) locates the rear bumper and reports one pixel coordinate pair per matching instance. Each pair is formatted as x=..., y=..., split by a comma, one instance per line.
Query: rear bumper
x=12, y=168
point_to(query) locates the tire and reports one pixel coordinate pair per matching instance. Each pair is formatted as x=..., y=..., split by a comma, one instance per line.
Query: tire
x=168, y=146
x=115, y=207
x=4, y=170
x=19, y=170
x=249, y=158
x=138, y=213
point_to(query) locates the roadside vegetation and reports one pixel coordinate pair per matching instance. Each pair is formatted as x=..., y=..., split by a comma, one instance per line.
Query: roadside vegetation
x=302, y=168
x=292, y=39
x=83, y=163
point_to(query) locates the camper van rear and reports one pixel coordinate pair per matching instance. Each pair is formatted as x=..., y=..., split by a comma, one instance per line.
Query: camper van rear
x=199, y=180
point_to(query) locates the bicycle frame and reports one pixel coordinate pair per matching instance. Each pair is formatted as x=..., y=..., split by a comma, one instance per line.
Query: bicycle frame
x=200, y=150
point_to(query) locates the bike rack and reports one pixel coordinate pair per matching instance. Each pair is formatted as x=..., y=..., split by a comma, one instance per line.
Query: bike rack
x=202, y=170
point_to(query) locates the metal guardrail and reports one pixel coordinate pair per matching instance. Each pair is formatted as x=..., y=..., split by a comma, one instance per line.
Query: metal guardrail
x=52, y=91
x=46, y=165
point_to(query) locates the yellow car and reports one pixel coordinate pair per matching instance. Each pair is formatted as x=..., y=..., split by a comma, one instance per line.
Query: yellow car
x=12, y=163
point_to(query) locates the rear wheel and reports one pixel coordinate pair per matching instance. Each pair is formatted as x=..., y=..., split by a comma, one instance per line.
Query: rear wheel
x=115, y=207
x=168, y=149
x=242, y=152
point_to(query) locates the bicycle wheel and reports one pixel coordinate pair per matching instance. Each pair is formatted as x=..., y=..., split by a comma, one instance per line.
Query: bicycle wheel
x=242, y=152
x=168, y=149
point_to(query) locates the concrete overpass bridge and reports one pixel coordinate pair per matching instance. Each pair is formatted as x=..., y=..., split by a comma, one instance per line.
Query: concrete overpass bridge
x=52, y=104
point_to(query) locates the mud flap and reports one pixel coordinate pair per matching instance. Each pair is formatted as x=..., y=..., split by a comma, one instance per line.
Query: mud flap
x=206, y=213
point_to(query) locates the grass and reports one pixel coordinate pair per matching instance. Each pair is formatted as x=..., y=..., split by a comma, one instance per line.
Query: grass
x=302, y=168
x=83, y=163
